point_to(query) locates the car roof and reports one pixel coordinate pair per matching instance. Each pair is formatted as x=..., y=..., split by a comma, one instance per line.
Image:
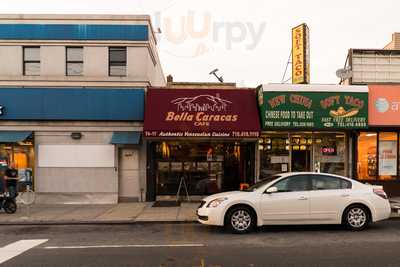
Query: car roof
x=285, y=174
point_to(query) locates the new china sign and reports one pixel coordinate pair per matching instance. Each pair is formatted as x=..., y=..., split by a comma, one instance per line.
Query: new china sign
x=339, y=110
x=201, y=113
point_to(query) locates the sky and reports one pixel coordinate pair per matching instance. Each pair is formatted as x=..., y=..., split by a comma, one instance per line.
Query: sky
x=248, y=41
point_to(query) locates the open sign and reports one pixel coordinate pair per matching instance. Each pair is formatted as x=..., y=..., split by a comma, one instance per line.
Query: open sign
x=328, y=151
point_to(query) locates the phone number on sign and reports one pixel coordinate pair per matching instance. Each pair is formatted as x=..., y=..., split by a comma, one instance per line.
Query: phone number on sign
x=245, y=134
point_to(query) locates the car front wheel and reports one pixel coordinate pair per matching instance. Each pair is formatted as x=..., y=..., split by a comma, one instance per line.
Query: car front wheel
x=356, y=218
x=240, y=220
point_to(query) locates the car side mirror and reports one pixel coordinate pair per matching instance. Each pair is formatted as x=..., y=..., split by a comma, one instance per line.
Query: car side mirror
x=272, y=189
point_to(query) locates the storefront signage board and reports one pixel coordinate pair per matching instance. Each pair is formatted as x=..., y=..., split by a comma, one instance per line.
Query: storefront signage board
x=192, y=113
x=384, y=105
x=300, y=55
x=314, y=110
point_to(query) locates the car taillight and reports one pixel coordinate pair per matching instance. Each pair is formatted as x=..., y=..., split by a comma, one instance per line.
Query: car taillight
x=380, y=193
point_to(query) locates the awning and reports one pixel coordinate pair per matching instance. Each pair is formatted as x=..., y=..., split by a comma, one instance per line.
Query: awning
x=126, y=138
x=13, y=136
x=72, y=104
x=201, y=113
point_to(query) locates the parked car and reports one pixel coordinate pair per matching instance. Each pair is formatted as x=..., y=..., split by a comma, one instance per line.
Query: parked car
x=297, y=198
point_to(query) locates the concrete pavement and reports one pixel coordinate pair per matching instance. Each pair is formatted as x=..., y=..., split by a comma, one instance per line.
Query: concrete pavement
x=118, y=213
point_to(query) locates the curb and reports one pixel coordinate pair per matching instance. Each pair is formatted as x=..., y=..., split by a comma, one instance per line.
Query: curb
x=41, y=223
x=93, y=222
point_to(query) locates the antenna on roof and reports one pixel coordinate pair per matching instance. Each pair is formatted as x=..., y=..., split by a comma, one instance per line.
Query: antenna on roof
x=214, y=72
x=288, y=63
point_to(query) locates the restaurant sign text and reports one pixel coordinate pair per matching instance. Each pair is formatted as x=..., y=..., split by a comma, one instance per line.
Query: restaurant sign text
x=344, y=110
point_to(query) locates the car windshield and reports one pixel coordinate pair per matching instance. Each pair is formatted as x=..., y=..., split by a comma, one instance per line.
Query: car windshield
x=262, y=183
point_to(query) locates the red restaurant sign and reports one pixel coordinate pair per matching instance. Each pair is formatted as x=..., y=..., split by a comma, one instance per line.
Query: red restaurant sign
x=228, y=113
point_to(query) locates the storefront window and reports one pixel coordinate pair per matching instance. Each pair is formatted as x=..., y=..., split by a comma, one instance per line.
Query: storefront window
x=330, y=153
x=203, y=167
x=387, y=156
x=274, y=154
x=302, y=151
x=366, y=154
x=22, y=154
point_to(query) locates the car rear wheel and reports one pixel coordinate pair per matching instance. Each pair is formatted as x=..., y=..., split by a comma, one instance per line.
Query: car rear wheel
x=356, y=218
x=240, y=220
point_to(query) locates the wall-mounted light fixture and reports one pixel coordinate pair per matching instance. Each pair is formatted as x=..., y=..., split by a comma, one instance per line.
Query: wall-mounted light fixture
x=76, y=135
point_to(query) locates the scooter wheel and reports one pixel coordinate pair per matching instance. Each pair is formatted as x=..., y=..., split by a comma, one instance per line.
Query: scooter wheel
x=10, y=207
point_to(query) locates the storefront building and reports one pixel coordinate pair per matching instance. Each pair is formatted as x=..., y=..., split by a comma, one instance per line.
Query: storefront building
x=377, y=150
x=71, y=144
x=378, y=147
x=310, y=127
x=72, y=91
x=200, y=140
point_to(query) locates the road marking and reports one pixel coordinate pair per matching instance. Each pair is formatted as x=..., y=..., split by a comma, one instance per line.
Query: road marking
x=14, y=249
x=127, y=246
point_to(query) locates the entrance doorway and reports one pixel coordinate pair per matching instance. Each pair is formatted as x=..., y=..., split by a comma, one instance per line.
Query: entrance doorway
x=300, y=146
x=301, y=160
x=128, y=175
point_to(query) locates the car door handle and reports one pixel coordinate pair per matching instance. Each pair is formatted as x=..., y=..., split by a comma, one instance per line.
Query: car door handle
x=345, y=195
x=302, y=198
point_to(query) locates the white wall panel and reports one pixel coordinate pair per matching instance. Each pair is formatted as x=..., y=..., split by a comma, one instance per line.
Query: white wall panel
x=76, y=156
x=376, y=67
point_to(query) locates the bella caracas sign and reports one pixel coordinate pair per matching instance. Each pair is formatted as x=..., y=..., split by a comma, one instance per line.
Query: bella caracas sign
x=201, y=113
x=341, y=110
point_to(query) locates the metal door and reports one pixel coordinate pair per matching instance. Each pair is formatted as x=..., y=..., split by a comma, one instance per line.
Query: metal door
x=128, y=172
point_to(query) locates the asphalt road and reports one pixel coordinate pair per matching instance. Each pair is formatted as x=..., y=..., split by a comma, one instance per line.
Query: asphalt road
x=199, y=246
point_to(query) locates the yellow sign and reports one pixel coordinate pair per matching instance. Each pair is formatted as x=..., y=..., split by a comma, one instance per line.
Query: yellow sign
x=300, y=55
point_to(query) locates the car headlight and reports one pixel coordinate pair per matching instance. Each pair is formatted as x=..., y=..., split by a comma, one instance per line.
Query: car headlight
x=215, y=203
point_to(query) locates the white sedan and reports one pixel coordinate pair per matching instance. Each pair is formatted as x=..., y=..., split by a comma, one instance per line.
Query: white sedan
x=297, y=198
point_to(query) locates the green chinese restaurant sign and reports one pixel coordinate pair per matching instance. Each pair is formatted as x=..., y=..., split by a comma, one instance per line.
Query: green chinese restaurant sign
x=336, y=110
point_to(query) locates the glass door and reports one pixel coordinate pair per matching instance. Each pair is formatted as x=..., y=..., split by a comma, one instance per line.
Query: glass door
x=301, y=151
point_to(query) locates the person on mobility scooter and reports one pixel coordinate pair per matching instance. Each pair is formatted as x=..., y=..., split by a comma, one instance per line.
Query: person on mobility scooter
x=8, y=189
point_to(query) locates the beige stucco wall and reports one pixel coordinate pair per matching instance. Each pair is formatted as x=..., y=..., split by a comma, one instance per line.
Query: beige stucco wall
x=11, y=60
x=95, y=61
x=137, y=61
x=52, y=60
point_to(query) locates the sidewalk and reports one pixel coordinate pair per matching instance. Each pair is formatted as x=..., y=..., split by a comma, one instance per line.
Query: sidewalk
x=93, y=214
x=112, y=214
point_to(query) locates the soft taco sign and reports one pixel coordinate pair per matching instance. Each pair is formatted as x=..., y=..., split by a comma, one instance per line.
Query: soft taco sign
x=197, y=110
x=315, y=109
